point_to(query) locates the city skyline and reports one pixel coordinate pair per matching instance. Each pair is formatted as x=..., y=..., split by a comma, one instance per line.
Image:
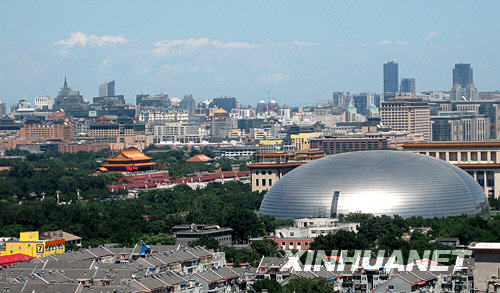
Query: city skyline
x=300, y=54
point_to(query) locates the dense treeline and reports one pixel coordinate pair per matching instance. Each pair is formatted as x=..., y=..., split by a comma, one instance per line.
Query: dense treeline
x=395, y=233
x=297, y=284
x=127, y=221
x=48, y=173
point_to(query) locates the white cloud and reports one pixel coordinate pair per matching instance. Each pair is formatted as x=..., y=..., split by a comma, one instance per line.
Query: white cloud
x=177, y=47
x=431, y=36
x=273, y=78
x=384, y=42
x=235, y=45
x=83, y=40
x=307, y=44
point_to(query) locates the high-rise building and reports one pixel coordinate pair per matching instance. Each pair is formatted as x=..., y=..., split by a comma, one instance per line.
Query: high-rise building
x=220, y=123
x=71, y=102
x=489, y=108
x=463, y=83
x=340, y=99
x=460, y=126
x=3, y=109
x=408, y=85
x=391, y=79
x=362, y=102
x=462, y=74
x=188, y=103
x=44, y=102
x=107, y=89
x=407, y=114
x=226, y=103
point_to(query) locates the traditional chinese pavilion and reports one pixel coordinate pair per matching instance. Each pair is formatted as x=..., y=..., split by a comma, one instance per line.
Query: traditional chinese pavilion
x=128, y=161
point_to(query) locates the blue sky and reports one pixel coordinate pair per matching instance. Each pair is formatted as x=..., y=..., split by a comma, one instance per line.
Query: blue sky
x=300, y=51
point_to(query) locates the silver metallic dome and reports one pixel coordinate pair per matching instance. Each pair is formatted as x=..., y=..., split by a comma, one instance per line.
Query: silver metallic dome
x=375, y=182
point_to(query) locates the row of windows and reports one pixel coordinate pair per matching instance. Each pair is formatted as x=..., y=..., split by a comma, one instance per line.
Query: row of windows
x=263, y=172
x=263, y=182
x=464, y=156
x=283, y=244
x=48, y=248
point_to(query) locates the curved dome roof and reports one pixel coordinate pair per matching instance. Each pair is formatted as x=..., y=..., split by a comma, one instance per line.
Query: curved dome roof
x=375, y=182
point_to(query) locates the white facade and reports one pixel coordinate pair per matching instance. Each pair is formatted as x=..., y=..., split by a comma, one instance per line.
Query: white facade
x=176, y=132
x=313, y=227
x=154, y=115
x=44, y=101
x=410, y=115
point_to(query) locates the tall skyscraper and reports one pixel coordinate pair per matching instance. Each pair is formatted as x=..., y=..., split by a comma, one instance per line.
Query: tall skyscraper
x=188, y=103
x=107, y=89
x=71, y=102
x=462, y=74
x=408, y=85
x=463, y=83
x=3, y=109
x=391, y=79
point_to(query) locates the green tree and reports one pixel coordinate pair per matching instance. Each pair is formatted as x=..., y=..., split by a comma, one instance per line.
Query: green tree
x=270, y=285
x=265, y=247
x=315, y=285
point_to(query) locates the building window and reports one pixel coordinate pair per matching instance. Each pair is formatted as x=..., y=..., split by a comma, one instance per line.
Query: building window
x=484, y=156
x=283, y=244
x=256, y=182
x=442, y=156
x=263, y=182
x=493, y=156
x=270, y=182
x=453, y=156
x=464, y=156
x=473, y=156
x=291, y=244
x=432, y=154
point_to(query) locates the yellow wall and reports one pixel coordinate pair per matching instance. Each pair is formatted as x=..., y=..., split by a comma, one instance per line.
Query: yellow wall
x=267, y=142
x=29, y=244
x=301, y=140
x=29, y=236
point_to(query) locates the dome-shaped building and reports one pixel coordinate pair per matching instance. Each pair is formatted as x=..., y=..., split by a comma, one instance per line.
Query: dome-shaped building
x=375, y=182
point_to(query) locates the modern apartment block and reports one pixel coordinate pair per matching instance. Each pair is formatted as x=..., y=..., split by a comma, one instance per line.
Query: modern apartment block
x=460, y=126
x=409, y=115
